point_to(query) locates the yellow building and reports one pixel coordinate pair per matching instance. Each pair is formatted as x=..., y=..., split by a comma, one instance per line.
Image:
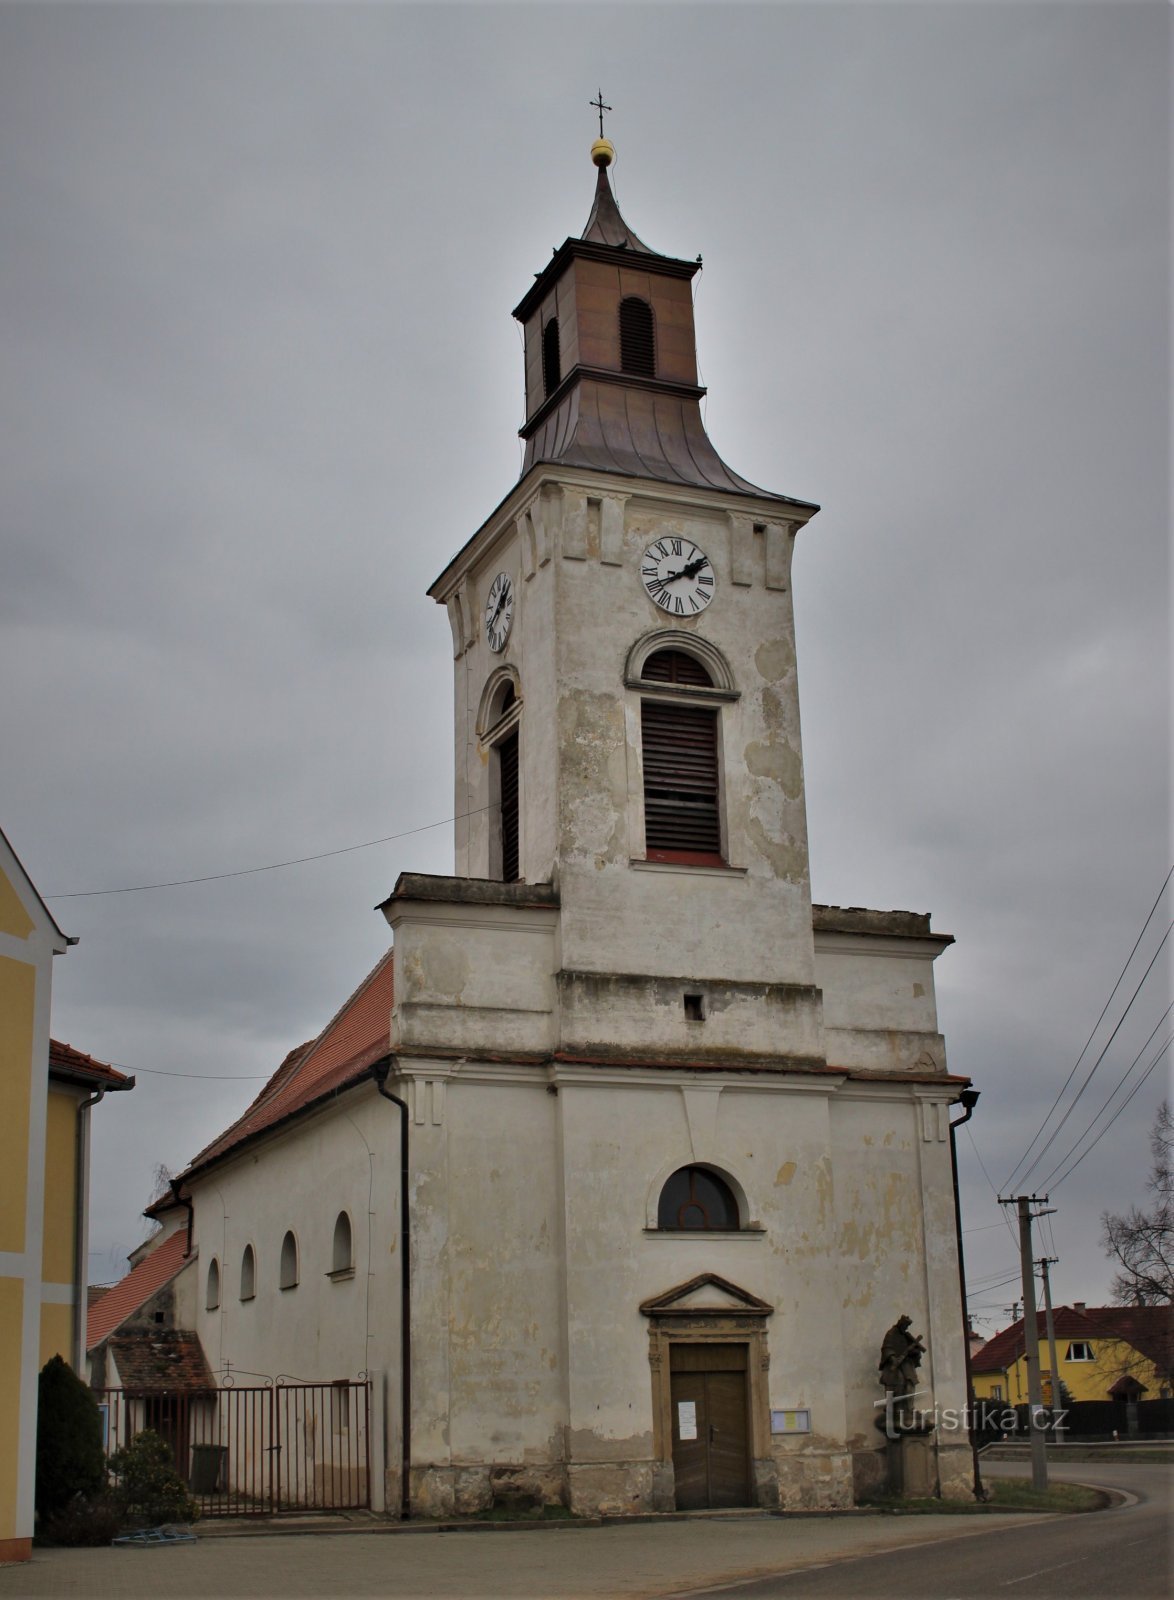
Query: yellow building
x=48, y=1090
x=1102, y=1353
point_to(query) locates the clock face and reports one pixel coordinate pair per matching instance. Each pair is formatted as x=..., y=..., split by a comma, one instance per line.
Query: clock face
x=499, y=611
x=677, y=576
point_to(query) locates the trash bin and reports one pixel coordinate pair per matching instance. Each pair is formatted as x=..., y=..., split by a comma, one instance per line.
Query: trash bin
x=207, y=1466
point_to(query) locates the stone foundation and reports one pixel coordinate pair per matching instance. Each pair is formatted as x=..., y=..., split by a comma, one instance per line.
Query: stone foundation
x=618, y=1488
x=956, y=1471
x=460, y=1491
x=815, y=1480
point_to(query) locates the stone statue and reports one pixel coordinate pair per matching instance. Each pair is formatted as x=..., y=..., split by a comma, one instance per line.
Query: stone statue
x=901, y=1354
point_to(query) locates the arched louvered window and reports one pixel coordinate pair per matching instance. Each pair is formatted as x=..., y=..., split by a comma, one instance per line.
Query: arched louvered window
x=551, y=359
x=505, y=765
x=342, y=1257
x=248, y=1273
x=289, y=1263
x=682, y=819
x=212, y=1294
x=695, y=1200
x=675, y=666
x=637, y=337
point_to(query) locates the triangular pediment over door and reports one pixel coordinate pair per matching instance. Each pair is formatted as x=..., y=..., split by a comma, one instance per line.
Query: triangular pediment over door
x=706, y=1293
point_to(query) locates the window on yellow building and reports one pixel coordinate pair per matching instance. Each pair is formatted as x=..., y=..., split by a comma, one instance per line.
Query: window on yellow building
x=1079, y=1350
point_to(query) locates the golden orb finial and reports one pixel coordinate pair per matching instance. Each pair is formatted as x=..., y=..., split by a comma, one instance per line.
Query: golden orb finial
x=603, y=152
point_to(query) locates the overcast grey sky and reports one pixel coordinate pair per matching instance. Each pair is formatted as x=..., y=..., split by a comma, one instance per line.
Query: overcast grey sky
x=261, y=381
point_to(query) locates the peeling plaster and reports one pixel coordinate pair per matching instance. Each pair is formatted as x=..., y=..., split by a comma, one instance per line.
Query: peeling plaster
x=784, y=1175
x=775, y=658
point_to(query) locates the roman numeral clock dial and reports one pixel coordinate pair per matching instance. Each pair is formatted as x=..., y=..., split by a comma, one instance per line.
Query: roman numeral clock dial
x=499, y=611
x=677, y=576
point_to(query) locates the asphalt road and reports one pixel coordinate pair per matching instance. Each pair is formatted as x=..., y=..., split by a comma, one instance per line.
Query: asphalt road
x=1123, y=1552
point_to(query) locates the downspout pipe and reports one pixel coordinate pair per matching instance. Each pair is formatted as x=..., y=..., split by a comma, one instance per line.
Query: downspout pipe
x=968, y=1099
x=81, y=1237
x=379, y=1074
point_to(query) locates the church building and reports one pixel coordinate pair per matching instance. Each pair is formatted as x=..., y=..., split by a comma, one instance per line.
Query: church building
x=613, y=1173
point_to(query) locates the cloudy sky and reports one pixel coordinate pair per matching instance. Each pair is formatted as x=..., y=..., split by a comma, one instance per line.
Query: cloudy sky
x=261, y=381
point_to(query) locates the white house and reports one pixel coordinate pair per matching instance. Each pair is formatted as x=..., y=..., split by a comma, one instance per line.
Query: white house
x=613, y=1175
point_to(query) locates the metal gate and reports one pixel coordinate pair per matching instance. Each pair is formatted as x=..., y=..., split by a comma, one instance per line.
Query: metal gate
x=278, y=1447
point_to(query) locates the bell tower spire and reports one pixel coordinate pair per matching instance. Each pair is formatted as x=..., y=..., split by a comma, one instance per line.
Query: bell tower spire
x=611, y=355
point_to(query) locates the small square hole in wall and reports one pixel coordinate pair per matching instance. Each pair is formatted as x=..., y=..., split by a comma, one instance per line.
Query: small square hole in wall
x=158, y=1316
x=694, y=1008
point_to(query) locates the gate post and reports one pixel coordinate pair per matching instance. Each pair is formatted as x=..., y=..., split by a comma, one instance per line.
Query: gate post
x=376, y=1433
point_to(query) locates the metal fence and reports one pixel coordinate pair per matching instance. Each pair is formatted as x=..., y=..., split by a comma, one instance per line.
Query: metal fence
x=259, y=1451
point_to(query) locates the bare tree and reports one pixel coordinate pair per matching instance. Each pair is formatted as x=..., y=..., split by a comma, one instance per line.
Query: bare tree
x=1141, y=1242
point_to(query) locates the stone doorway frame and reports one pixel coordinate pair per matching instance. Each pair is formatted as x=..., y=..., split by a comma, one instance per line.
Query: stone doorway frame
x=735, y=1317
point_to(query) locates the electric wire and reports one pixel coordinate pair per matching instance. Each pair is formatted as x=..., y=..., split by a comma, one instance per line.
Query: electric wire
x=1092, y=1035
x=1116, y=1089
x=1116, y=1114
x=990, y=1185
x=1089, y=1076
x=273, y=866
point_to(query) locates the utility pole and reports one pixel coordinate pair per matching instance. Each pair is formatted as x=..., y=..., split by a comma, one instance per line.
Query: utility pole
x=1035, y=1399
x=1043, y=1264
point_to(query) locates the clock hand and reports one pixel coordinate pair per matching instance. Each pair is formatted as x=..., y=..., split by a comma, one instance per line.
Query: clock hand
x=690, y=571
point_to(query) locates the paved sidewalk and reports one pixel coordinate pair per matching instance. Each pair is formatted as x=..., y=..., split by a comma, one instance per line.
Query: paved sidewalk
x=561, y=1562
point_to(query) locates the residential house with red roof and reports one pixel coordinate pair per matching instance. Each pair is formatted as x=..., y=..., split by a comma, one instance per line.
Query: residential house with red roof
x=610, y=1181
x=1102, y=1353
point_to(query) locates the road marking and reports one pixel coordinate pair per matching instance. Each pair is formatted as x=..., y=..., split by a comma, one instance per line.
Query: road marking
x=1040, y=1571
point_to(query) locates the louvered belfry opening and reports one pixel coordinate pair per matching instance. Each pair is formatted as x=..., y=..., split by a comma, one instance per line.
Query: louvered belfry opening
x=507, y=755
x=637, y=338
x=679, y=744
x=551, y=360
x=674, y=666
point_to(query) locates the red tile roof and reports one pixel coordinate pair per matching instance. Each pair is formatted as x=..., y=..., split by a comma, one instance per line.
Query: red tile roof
x=140, y=1283
x=357, y=1036
x=1149, y=1329
x=64, y=1058
x=161, y=1358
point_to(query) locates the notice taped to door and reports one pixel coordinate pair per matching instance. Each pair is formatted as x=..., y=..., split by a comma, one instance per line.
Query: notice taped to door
x=686, y=1419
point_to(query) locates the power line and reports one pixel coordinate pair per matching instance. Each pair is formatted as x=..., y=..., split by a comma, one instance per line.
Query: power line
x=273, y=866
x=987, y=1176
x=1092, y=1035
x=1089, y=1076
x=220, y=1077
x=1117, y=1087
x=1116, y=1113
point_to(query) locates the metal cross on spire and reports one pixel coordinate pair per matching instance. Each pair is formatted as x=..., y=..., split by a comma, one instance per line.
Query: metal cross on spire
x=600, y=107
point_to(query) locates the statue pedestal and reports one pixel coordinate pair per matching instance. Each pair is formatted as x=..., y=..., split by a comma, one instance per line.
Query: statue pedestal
x=912, y=1466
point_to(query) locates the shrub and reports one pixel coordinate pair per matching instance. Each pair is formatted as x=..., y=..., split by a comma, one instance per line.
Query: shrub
x=83, y=1521
x=69, y=1439
x=149, y=1490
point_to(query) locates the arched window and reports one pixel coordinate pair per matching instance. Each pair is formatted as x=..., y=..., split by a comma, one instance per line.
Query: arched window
x=212, y=1292
x=499, y=725
x=551, y=360
x=679, y=745
x=341, y=1256
x=248, y=1273
x=507, y=775
x=637, y=337
x=695, y=1199
x=289, y=1262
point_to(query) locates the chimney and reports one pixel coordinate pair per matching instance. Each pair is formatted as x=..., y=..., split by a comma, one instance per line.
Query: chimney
x=1078, y=1305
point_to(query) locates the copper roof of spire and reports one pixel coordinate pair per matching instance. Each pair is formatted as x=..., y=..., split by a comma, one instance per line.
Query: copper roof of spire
x=605, y=225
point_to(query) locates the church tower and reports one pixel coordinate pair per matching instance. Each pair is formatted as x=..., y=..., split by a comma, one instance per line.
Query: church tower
x=626, y=708
x=678, y=1144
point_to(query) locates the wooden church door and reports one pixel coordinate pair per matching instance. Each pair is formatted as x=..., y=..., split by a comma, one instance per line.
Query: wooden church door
x=711, y=1455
